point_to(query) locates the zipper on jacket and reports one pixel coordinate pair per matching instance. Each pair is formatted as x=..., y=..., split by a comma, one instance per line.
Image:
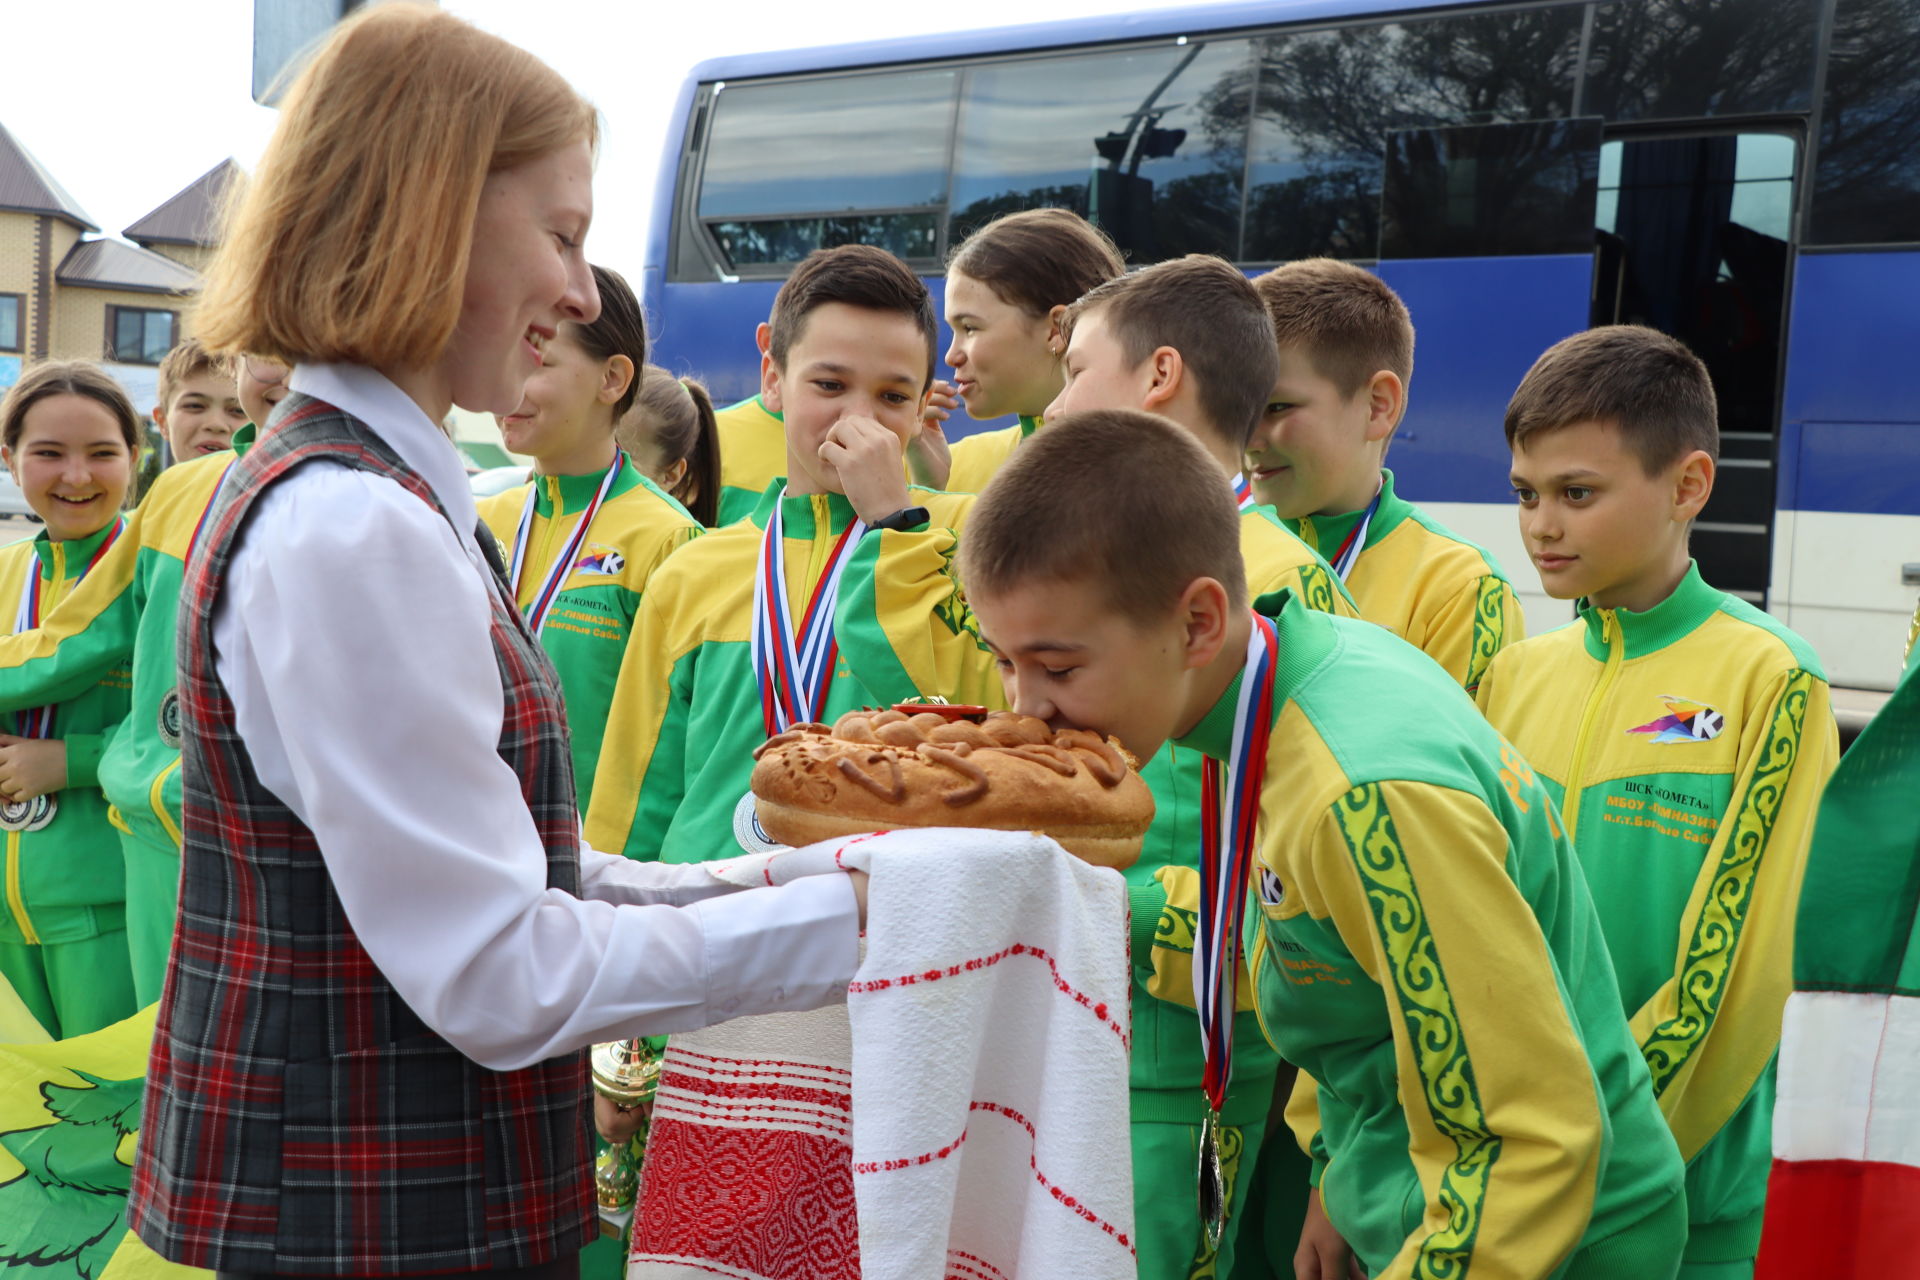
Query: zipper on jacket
x=16, y=903
x=1576, y=776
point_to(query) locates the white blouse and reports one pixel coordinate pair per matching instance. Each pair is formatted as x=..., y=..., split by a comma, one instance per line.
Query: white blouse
x=352, y=636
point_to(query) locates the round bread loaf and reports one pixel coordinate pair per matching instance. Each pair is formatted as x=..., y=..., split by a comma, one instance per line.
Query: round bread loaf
x=943, y=767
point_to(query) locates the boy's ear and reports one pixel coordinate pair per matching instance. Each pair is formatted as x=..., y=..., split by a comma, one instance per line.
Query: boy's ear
x=1692, y=485
x=1167, y=375
x=615, y=379
x=159, y=416
x=769, y=380
x=1386, y=403
x=763, y=336
x=1204, y=607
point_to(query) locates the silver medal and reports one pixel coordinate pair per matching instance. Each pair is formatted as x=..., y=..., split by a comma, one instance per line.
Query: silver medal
x=170, y=719
x=28, y=815
x=1213, y=1186
x=747, y=831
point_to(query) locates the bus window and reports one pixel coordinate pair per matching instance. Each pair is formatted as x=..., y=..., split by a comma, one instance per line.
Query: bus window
x=1667, y=59
x=867, y=164
x=1327, y=101
x=1148, y=142
x=1866, y=179
x=1481, y=191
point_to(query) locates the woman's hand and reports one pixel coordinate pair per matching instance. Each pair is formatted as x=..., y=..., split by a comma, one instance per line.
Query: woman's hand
x=31, y=767
x=1322, y=1254
x=859, y=879
x=617, y=1123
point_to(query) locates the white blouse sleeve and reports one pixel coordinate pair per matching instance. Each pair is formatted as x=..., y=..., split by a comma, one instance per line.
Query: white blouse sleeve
x=352, y=635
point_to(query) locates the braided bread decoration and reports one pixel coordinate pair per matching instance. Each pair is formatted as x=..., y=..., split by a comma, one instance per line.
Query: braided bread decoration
x=917, y=766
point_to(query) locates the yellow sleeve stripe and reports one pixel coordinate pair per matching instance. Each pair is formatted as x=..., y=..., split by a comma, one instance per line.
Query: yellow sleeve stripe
x=1419, y=984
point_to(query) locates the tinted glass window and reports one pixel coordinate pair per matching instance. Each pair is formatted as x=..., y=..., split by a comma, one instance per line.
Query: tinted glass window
x=1327, y=102
x=1149, y=143
x=1866, y=178
x=1663, y=59
x=9, y=322
x=1483, y=190
x=140, y=336
x=828, y=146
x=776, y=240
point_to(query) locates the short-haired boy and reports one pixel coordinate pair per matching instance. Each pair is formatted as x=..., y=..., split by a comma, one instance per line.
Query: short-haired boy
x=199, y=408
x=1187, y=339
x=841, y=551
x=1424, y=946
x=1346, y=358
x=1684, y=736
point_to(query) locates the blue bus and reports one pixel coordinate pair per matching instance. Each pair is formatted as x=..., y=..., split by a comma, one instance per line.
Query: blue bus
x=1744, y=174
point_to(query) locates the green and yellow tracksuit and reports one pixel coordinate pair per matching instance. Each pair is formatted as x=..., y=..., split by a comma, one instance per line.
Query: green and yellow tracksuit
x=63, y=937
x=1423, y=947
x=679, y=744
x=125, y=613
x=1426, y=584
x=1166, y=1065
x=636, y=529
x=979, y=457
x=1686, y=748
x=753, y=453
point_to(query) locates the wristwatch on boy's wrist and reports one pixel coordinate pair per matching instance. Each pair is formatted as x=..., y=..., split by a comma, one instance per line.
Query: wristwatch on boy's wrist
x=904, y=518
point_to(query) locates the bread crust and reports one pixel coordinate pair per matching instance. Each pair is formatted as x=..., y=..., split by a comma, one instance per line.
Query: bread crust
x=885, y=770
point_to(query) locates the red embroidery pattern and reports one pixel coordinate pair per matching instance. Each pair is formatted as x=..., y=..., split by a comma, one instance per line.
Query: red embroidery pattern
x=1033, y=1162
x=1098, y=1008
x=962, y=1265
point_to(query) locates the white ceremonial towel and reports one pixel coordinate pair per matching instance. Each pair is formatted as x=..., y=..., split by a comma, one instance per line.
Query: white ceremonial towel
x=989, y=1055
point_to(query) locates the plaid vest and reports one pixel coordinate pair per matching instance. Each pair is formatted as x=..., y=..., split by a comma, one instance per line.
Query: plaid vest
x=300, y=1117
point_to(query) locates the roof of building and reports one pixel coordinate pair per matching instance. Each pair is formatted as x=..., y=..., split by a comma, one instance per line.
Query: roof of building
x=26, y=187
x=114, y=264
x=191, y=216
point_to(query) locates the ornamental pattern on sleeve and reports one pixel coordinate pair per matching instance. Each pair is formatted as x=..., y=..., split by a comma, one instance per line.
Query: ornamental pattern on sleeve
x=1489, y=629
x=1709, y=954
x=1316, y=588
x=1434, y=1034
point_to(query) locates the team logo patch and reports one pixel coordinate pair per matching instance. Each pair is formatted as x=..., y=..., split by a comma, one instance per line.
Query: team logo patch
x=600, y=559
x=1685, y=721
x=1271, y=890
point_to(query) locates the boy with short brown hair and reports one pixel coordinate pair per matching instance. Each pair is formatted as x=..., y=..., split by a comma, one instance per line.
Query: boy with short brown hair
x=1187, y=339
x=199, y=405
x=1424, y=946
x=1684, y=737
x=1346, y=358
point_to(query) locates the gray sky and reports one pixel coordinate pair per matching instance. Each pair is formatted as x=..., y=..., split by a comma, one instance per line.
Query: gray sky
x=162, y=91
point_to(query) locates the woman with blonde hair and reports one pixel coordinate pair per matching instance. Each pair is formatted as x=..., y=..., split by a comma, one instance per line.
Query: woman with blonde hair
x=392, y=948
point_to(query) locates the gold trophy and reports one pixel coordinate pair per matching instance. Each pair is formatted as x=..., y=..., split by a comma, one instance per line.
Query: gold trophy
x=627, y=1072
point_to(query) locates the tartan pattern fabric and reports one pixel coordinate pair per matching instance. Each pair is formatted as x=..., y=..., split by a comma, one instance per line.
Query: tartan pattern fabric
x=300, y=1117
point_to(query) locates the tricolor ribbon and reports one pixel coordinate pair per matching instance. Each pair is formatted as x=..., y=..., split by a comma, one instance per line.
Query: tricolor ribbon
x=1229, y=827
x=794, y=666
x=562, y=565
x=37, y=722
x=201, y=524
x=1356, y=540
x=1243, y=490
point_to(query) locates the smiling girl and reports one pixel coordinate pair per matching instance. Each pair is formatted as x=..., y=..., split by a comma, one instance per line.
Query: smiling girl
x=1008, y=286
x=69, y=435
x=582, y=537
x=392, y=949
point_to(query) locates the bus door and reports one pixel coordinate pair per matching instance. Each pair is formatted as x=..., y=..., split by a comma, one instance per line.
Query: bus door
x=1693, y=239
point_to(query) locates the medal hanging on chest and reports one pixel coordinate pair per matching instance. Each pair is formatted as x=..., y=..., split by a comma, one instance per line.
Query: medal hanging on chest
x=1229, y=828
x=37, y=722
x=792, y=666
x=1356, y=540
x=562, y=566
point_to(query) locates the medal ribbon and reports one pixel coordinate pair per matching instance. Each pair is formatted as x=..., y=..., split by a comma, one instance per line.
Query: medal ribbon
x=208, y=510
x=1243, y=490
x=557, y=572
x=1229, y=824
x=1356, y=540
x=37, y=722
x=793, y=666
